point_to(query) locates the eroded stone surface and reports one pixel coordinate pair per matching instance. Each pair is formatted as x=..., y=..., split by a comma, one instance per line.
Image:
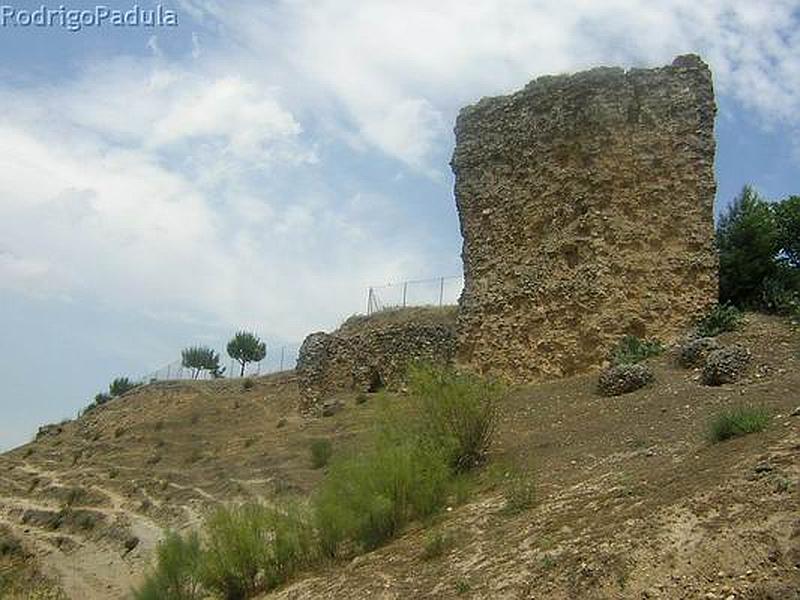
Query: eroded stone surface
x=368, y=359
x=624, y=379
x=586, y=207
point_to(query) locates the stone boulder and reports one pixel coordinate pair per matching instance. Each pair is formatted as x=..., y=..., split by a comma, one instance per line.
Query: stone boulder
x=726, y=365
x=623, y=379
x=694, y=351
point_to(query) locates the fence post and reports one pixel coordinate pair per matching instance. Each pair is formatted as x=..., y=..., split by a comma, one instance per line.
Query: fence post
x=169, y=370
x=441, y=291
x=283, y=350
x=369, y=303
x=405, y=292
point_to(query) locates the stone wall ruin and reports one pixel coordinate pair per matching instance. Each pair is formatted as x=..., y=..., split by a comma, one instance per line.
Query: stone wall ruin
x=586, y=208
x=369, y=357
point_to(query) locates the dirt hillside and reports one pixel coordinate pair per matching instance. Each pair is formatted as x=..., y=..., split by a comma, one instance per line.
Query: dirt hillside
x=632, y=500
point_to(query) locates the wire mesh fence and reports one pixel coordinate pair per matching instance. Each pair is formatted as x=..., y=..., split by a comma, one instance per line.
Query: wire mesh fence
x=438, y=291
x=279, y=359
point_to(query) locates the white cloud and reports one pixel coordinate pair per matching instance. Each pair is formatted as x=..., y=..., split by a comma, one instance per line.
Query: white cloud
x=199, y=185
x=149, y=193
x=400, y=70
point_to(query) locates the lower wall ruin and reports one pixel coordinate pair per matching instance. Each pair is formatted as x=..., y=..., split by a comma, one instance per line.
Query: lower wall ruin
x=369, y=359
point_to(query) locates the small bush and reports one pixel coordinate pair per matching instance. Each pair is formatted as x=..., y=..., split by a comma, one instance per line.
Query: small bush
x=9, y=546
x=456, y=412
x=321, y=451
x=738, y=421
x=120, y=386
x=631, y=350
x=176, y=575
x=519, y=492
x=248, y=384
x=780, y=292
x=436, y=544
x=253, y=548
x=722, y=318
x=370, y=495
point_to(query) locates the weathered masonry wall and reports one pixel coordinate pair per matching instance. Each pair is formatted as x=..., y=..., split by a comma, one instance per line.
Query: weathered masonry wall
x=369, y=359
x=586, y=207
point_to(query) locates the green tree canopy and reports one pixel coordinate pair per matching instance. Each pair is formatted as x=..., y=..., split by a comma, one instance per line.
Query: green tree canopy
x=199, y=359
x=245, y=348
x=119, y=386
x=748, y=243
x=787, y=217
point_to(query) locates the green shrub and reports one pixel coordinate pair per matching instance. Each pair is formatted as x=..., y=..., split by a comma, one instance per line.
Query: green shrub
x=176, y=575
x=321, y=451
x=9, y=545
x=722, y=318
x=631, y=350
x=738, y=421
x=436, y=544
x=253, y=548
x=456, y=412
x=368, y=496
x=780, y=292
x=519, y=492
x=248, y=384
x=120, y=386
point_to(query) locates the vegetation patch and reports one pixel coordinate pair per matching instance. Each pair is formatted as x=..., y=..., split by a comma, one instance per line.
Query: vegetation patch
x=722, y=318
x=519, y=492
x=759, y=264
x=406, y=469
x=436, y=545
x=321, y=451
x=632, y=350
x=177, y=574
x=738, y=421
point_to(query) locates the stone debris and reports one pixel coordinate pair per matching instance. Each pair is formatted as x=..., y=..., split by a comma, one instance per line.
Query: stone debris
x=624, y=379
x=725, y=365
x=693, y=352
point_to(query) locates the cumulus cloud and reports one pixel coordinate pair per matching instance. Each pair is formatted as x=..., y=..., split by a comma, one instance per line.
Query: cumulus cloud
x=399, y=71
x=178, y=184
x=149, y=192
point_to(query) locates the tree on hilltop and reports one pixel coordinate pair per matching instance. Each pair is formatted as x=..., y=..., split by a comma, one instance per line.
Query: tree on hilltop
x=245, y=348
x=201, y=358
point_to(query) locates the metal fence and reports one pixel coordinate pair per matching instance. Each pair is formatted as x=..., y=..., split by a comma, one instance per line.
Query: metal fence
x=420, y=292
x=280, y=359
x=438, y=291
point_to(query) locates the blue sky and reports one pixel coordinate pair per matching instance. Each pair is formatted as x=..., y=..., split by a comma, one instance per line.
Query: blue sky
x=262, y=163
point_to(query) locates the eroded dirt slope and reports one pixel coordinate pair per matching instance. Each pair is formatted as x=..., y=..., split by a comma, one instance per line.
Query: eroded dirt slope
x=90, y=499
x=632, y=501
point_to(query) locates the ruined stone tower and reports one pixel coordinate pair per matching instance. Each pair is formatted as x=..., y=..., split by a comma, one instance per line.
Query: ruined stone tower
x=586, y=207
